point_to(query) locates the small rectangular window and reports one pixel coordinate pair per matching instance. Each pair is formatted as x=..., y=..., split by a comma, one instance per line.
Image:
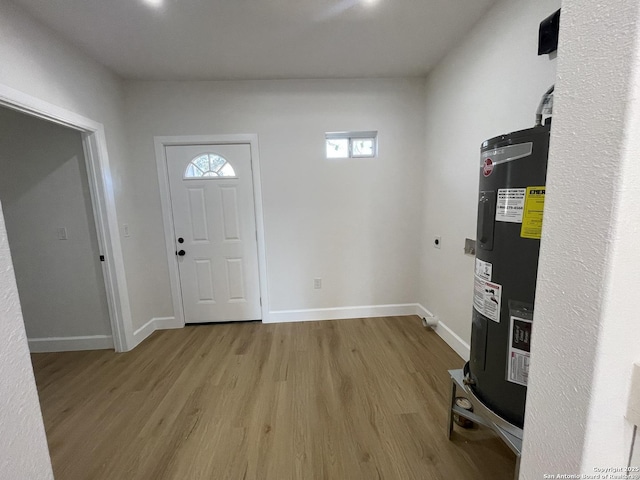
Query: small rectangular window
x=337, y=148
x=351, y=144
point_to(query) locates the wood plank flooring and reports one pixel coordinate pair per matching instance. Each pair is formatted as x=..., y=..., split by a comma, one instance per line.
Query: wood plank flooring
x=348, y=399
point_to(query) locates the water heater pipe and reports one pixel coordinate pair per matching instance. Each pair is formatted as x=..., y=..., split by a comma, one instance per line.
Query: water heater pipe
x=543, y=102
x=430, y=322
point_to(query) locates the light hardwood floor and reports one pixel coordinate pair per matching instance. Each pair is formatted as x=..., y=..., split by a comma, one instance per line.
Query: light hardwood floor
x=345, y=400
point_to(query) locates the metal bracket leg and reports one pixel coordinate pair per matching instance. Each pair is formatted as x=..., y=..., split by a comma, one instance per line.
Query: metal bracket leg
x=482, y=415
x=452, y=401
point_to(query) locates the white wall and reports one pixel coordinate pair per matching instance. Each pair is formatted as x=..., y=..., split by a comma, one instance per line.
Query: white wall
x=37, y=62
x=44, y=186
x=23, y=444
x=350, y=222
x=489, y=85
x=586, y=312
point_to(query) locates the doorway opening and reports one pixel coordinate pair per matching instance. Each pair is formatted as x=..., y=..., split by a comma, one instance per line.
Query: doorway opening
x=46, y=201
x=99, y=179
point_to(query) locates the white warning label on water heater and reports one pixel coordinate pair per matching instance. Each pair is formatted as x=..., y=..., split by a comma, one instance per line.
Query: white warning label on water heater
x=483, y=269
x=519, y=350
x=487, y=297
x=510, y=204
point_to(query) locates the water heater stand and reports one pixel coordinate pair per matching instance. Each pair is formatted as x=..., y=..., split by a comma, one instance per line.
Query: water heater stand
x=509, y=433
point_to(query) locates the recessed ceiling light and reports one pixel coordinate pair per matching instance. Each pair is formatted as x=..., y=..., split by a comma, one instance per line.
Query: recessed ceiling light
x=153, y=3
x=369, y=3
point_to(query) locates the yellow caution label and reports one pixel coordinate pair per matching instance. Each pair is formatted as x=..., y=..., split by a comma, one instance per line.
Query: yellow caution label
x=533, y=212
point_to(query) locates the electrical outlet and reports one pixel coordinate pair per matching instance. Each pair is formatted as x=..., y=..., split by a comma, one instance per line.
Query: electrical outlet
x=317, y=283
x=437, y=241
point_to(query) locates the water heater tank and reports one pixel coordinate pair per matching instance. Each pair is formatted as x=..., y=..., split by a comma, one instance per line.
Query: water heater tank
x=513, y=171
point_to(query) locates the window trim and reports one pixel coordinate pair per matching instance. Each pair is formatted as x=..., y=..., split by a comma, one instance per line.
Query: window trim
x=351, y=136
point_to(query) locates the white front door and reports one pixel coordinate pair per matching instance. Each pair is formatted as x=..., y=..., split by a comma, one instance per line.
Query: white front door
x=213, y=210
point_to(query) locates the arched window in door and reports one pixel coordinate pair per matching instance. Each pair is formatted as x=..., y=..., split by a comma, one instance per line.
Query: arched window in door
x=209, y=165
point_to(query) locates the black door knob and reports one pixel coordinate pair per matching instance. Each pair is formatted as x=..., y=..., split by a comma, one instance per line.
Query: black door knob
x=182, y=253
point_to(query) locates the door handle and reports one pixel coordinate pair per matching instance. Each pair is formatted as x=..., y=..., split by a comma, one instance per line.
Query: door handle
x=181, y=253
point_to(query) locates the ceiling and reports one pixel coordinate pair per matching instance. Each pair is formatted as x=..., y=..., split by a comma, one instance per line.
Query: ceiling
x=260, y=39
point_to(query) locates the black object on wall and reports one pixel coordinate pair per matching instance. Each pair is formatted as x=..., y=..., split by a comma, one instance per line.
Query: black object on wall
x=510, y=207
x=548, y=35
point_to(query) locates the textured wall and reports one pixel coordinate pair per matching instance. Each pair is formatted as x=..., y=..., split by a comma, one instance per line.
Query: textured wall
x=23, y=446
x=586, y=328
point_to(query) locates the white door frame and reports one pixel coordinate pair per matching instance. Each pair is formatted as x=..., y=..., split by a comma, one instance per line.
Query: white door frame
x=167, y=215
x=102, y=202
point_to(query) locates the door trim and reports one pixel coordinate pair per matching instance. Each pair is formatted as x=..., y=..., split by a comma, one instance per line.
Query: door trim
x=102, y=203
x=167, y=215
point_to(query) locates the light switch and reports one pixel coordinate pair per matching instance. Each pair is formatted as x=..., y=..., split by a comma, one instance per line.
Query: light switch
x=125, y=230
x=62, y=233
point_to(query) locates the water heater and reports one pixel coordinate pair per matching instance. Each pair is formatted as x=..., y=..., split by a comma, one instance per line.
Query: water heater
x=513, y=170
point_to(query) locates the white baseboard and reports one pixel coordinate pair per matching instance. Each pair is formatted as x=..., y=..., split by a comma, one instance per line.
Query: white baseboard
x=453, y=340
x=449, y=336
x=159, y=323
x=104, y=342
x=423, y=312
x=366, y=311
x=70, y=344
